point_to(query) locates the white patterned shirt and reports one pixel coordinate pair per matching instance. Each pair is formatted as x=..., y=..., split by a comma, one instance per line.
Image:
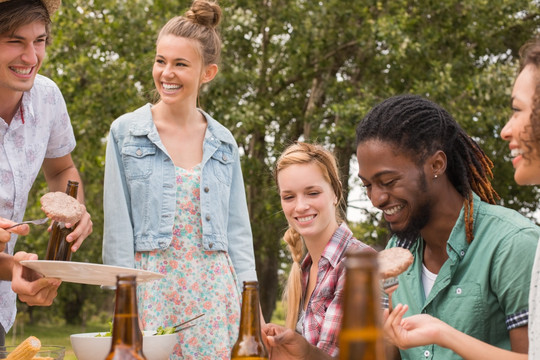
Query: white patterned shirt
x=40, y=129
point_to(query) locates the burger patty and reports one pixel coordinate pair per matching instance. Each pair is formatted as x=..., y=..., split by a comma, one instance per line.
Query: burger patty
x=61, y=207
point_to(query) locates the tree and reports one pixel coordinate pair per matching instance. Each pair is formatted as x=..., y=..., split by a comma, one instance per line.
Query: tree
x=295, y=70
x=311, y=70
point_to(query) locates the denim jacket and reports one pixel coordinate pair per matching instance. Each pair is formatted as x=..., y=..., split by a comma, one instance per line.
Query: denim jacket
x=140, y=194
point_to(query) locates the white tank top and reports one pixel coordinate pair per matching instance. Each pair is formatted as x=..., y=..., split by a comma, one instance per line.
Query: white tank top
x=428, y=279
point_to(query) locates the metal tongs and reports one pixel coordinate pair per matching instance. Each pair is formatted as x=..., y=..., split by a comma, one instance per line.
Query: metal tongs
x=180, y=327
x=389, y=285
x=35, y=222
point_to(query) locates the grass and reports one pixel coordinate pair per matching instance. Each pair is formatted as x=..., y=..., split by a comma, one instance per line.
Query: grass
x=50, y=334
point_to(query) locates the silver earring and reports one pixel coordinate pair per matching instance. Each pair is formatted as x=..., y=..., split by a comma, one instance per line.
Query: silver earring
x=436, y=176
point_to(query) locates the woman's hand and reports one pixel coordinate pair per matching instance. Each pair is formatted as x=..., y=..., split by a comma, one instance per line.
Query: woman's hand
x=416, y=330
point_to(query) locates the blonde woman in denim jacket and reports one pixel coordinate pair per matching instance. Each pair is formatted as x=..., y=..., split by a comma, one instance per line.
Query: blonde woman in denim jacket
x=174, y=197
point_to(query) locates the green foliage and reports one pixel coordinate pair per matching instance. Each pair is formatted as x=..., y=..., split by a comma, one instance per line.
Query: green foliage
x=371, y=232
x=291, y=69
x=278, y=316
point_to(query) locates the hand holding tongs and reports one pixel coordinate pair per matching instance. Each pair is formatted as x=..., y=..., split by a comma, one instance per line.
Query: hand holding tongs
x=35, y=222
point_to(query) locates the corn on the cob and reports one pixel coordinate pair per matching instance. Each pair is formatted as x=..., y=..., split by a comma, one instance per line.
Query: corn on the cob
x=26, y=350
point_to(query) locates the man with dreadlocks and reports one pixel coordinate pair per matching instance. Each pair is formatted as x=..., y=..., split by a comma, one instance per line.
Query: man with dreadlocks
x=472, y=259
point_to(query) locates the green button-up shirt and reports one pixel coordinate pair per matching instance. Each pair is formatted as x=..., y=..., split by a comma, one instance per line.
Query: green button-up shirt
x=483, y=287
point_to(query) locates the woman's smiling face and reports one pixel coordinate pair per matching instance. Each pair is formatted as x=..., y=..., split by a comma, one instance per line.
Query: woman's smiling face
x=178, y=69
x=517, y=131
x=308, y=201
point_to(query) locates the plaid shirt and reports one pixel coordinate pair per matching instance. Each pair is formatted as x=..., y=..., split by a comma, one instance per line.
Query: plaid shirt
x=322, y=320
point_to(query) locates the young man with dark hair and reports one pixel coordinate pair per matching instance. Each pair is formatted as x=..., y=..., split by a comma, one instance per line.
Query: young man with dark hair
x=472, y=259
x=35, y=132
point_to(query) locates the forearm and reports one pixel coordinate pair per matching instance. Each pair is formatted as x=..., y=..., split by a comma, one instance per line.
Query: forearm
x=470, y=348
x=118, y=237
x=58, y=171
x=239, y=232
x=59, y=181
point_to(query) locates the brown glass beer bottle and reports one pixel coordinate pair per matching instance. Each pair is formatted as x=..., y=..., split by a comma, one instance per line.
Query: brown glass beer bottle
x=127, y=337
x=249, y=345
x=58, y=248
x=361, y=335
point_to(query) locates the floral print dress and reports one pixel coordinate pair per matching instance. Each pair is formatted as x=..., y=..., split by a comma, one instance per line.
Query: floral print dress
x=195, y=282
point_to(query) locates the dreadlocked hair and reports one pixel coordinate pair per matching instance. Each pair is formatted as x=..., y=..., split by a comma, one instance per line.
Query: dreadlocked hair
x=418, y=127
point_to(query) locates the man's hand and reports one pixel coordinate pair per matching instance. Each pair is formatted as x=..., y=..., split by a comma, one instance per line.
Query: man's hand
x=31, y=287
x=58, y=171
x=81, y=231
x=5, y=235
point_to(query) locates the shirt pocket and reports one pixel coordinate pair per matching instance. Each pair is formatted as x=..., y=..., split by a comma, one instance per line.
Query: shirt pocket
x=222, y=164
x=464, y=308
x=138, y=160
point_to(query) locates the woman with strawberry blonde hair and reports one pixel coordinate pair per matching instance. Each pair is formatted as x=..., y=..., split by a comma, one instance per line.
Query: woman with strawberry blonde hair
x=311, y=194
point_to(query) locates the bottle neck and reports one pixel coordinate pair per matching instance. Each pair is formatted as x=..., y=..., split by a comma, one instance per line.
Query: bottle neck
x=361, y=335
x=126, y=320
x=72, y=188
x=249, y=345
x=250, y=323
x=362, y=301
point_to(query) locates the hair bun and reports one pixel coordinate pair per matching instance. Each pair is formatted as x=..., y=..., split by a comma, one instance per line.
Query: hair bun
x=204, y=12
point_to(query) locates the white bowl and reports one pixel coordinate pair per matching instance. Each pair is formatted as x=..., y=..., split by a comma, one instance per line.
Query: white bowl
x=89, y=347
